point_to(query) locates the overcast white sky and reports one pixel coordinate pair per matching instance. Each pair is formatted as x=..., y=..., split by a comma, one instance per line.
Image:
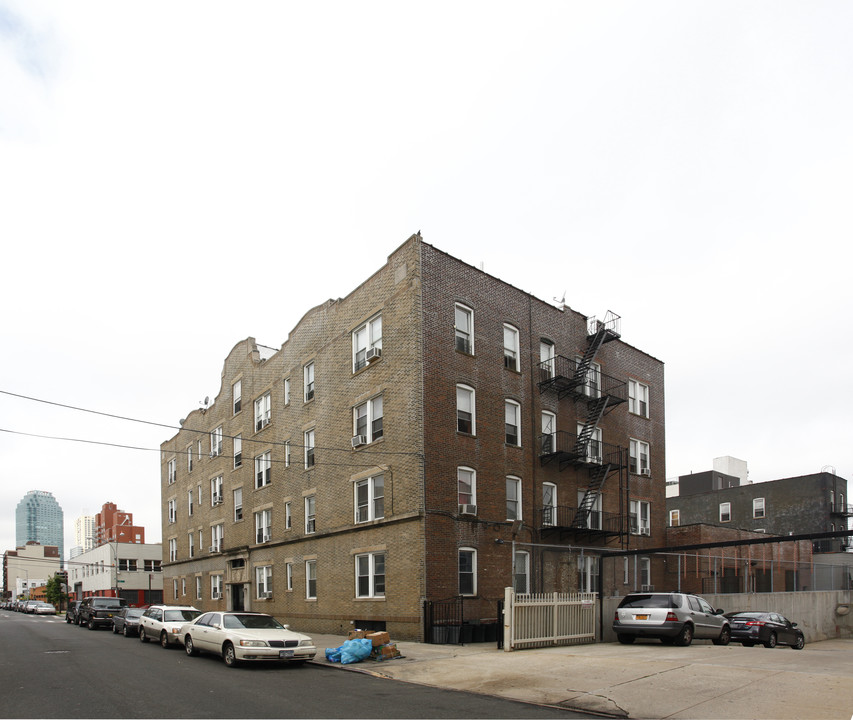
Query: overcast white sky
x=685, y=164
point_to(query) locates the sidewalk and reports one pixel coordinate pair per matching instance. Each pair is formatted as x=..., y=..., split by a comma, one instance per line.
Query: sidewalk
x=643, y=680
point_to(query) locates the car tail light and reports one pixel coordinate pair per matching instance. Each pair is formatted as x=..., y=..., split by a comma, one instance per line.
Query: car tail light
x=671, y=617
x=757, y=623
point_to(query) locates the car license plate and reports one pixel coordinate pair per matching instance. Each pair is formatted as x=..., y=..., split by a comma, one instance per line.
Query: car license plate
x=285, y=654
x=641, y=617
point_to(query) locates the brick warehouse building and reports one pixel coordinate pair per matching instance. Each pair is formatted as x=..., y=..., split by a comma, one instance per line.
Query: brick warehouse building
x=402, y=442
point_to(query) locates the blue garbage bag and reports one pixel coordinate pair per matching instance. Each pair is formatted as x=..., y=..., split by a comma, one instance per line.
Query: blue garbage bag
x=353, y=651
x=333, y=655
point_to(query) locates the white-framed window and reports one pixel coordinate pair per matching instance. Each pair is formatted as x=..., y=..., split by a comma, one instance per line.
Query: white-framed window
x=512, y=422
x=287, y=391
x=172, y=508
x=639, y=515
x=190, y=459
x=238, y=504
x=183, y=587
x=175, y=588
x=466, y=486
x=200, y=540
x=638, y=398
x=263, y=469
x=198, y=444
x=216, y=491
x=237, y=396
x=311, y=579
x=217, y=535
x=549, y=433
x=216, y=442
x=263, y=411
x=308, y=378
x=521, y=572
x=511, y=347
x=638, y=457
x=546, y=360
x=588, y=573
x=288, y=573
x=594, y=515
x=593, y=445
x=725, y=512
x=625, y=571
x=263, y=581
x=645, y=571
x=467, y=571
x=513, y=498
x=367, y=421
x=464, y=327
x=263, y=526
x=370, y=499
x=674, y=518
x=758, y=507
x=199, y=495
x=189, y=503
x=367, y=343
x=216, y=587
x=172, y=470
x=238, y=451
x=309, y=448
x=310, y=515
x=287, y=453
x=370, y=575
x=592, y=380
x=173, y=549
x=466, y=416
x=288, y=515
x=198, y=587
x=549, y=504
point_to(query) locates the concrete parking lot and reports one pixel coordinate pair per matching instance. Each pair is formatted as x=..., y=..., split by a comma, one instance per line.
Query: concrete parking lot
x=643, y=680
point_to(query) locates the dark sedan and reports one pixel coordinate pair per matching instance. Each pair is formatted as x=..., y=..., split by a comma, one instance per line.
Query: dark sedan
x=71, y=612
x=767, y=628
x=126, y=622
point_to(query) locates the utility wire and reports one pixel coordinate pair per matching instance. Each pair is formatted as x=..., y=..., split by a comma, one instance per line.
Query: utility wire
x=178, y=427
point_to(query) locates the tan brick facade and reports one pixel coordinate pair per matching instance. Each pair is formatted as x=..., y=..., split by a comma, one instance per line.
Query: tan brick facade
x=421, y=530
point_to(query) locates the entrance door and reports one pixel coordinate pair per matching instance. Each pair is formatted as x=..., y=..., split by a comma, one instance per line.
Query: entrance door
x=237, y=603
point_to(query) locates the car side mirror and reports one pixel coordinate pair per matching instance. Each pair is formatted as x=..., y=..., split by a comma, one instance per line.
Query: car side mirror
x=216, y=626
x=793, y=624
x=286, y=627
x=718, y=611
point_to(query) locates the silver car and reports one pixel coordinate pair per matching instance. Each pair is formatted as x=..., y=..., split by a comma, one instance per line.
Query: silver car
x=673, y=618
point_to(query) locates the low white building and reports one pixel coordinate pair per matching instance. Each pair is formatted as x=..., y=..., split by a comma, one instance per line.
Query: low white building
x=128, y=570
x=29, y=566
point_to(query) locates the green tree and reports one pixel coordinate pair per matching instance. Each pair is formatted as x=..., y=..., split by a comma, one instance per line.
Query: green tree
x=53, y=591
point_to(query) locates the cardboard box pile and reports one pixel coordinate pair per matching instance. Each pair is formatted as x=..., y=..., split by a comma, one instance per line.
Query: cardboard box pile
x=383, y=648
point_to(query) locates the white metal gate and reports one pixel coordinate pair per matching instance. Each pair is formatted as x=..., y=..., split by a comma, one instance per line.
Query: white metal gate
x=542, y=619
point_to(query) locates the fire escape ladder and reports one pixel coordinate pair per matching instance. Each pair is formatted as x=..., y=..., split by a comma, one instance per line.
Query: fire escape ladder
x=597, y=476
x=595, y=411
x=595, y=342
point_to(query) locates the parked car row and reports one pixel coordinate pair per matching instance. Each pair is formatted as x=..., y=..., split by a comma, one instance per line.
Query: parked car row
x=677, y=618
x=31, y=607
x=234, y=636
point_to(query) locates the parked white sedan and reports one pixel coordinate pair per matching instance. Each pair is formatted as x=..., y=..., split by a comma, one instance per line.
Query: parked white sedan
x=238, y=636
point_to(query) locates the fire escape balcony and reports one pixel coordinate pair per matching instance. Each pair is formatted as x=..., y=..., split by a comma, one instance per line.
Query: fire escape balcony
x=569, y=449
x=592, y=522
x=565, y=376
x=843, y=510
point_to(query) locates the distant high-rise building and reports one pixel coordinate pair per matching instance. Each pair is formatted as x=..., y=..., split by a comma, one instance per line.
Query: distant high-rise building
x=84, y=532
x=38, y=518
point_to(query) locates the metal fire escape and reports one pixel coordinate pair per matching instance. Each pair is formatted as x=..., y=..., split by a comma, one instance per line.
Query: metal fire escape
x=601, y=393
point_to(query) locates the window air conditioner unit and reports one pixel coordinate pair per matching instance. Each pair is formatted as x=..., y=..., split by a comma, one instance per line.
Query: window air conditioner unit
x=647, y=588
x=265, y=537
x=467, y=509
x=359, y=440
x=373, y=354
x=645, y=531
x=646, y=471
x=217, y=499
x=213, y=548
x=267, y=594
x=216, y=596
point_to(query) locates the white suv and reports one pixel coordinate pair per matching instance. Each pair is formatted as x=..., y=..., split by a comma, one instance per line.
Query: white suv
x=163, y=622
x=673, y=618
